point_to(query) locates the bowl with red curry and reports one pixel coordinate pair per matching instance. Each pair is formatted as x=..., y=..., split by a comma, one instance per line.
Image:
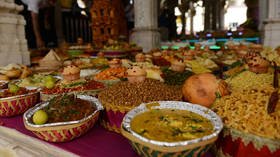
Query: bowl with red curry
x=63, y=118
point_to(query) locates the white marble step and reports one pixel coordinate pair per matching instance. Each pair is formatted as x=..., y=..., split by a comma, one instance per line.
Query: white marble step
x=16, y=144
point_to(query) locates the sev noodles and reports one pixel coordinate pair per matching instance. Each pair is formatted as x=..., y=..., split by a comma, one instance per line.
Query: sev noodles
x=246, y=111
x=248, y=79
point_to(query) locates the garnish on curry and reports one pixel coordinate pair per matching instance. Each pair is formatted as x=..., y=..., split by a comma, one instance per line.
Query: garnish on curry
x=171, y=125
x=67, y=107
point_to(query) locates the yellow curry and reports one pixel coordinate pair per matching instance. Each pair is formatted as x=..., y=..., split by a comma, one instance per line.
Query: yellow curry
x=171, y=125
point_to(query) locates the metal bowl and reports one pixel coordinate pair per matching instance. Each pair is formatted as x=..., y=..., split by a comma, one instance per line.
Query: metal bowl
x=15, y=105
x=147, y=147
x=62, y=131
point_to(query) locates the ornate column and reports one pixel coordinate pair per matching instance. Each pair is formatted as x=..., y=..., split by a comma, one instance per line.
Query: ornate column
x=272, y=24
x=13, y=45
x=146, y=32
x=263, y=13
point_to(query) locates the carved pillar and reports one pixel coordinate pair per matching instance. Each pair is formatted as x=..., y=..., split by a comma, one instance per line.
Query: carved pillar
x=146, y=32
x=13, y=45
x=272, y=24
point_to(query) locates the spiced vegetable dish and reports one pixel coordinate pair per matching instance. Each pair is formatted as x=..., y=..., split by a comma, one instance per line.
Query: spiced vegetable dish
x=68, y=108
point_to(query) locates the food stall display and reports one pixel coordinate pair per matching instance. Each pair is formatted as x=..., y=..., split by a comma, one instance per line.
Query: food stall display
x=237, y=84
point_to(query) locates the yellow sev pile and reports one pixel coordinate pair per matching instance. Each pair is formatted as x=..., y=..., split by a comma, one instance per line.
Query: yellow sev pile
x=247, y=79
x=245, y=108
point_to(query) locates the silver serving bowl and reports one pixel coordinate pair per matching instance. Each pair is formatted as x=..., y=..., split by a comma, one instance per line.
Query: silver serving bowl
x=195, y=147
x=62, y=131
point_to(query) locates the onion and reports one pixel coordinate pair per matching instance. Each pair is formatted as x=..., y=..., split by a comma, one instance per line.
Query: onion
x=203, y=89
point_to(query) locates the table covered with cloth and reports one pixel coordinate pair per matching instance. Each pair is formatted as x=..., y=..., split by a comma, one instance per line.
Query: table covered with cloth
x=97, y=142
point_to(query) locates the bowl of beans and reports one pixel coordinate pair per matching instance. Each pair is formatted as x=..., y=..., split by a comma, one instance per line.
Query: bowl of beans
x=124, y=96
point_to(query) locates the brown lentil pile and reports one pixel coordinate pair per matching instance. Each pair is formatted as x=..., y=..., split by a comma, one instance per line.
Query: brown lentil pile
x=133, y=94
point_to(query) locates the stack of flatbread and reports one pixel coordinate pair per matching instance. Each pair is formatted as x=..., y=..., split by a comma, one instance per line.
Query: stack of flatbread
x=50, y=62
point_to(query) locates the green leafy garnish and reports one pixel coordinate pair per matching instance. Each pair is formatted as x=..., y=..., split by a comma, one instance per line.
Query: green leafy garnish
x=218, y=95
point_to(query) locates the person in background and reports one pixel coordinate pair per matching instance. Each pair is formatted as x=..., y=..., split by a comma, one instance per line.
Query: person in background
x=31, y=14
x=129, y=13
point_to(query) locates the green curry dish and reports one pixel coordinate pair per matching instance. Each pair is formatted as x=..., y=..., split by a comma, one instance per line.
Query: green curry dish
x=171, y=125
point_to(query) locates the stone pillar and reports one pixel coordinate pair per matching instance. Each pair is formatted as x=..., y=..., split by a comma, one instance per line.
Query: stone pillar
x=263, y=13
x=146, y=33
x=13, y=45
x=221, y=14
x=272, y=24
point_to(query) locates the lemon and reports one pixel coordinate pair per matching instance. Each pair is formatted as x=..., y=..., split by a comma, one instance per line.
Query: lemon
x=40, y=117
x=49, y=84
x=13, y=88
x=49, y=78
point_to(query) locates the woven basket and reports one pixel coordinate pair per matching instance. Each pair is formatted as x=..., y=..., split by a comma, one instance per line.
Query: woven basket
x=112, y=116
x=62, y=131
x=15, y=105
x=235, y=143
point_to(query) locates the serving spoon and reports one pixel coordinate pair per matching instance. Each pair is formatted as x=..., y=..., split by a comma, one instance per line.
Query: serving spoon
x=274, y=95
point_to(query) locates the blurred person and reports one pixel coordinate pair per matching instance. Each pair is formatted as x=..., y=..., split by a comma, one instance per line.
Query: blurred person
x=129, y=14
x=31, y=14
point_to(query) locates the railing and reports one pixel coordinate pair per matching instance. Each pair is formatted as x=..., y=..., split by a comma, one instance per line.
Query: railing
x=75, y=26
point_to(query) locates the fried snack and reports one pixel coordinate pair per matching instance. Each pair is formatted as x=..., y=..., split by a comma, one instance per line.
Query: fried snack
x=246, y=111
x=4, y=78
x=13, y=73
x=25, y=72
x=111, y=74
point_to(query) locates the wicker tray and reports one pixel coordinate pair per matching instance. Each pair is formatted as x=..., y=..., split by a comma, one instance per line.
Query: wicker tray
x=62, y=131
x=16, y=105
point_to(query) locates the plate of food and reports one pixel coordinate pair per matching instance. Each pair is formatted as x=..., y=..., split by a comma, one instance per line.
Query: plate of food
x=71, y=83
